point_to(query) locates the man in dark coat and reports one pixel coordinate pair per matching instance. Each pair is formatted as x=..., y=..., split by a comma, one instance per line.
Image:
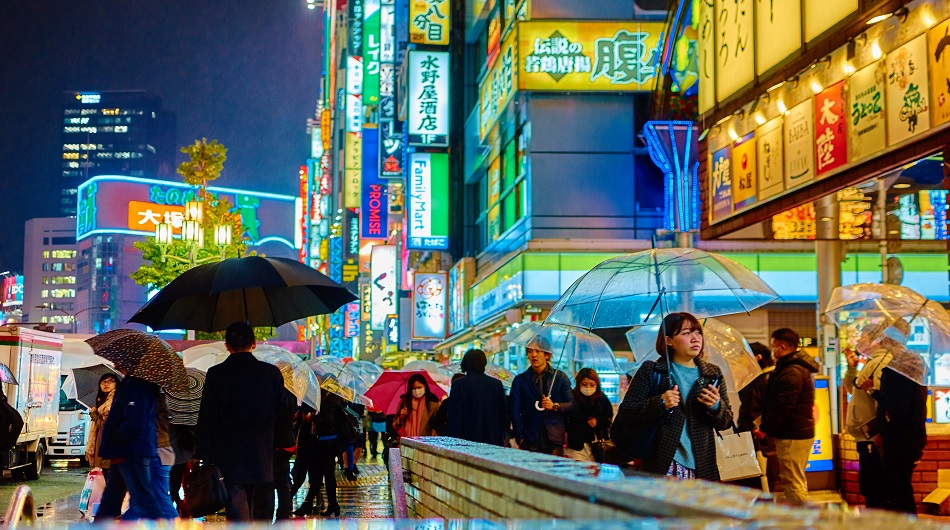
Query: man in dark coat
x=789, y=414
x=752, y=401
x=542, y=398
x=478, y=409
x=240, y=404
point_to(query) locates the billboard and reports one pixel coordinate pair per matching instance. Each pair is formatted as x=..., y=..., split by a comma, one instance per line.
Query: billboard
x=371, y=51
x=428, y=98
x=587, y=56
x=391, y=145
x=428, y=306
x=498, y=86
x=382, y=285
x=428, y=208
x=429, y=21
x=111, y=204
x=375, y=203
x=13, y=290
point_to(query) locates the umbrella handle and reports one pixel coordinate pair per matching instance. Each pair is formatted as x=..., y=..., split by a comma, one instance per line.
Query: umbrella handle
x=537, y=405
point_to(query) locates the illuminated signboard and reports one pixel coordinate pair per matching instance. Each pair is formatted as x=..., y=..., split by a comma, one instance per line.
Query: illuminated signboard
x=821, y=15
x=429, y=21
x=387, y=48
x=382, y=285
x=498, y=86
x=428, y=213
x=351, y=249
x=743, y=172
x=797, y=223
x=366, y=302
x=391, y=331
x=459, y=276
x=940, y=70
x=352, y=173
x=908, y=91
x=371, y=51
x=267, y=217
x=782, y=22
x=706, y=99
x=822, y=453
x=569, y=55
x=799, y=144
x=13, y=290
x=866, y=132
x=355, y=35
x=428, y=98
x=351, y=320
x=428, y=306
x=831, y=134
x=769, y=158
x=390, y=140
x=735, y=57
x=722, y=182
x=375, y=203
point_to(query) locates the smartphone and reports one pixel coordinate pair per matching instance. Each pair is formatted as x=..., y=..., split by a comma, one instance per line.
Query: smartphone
x=714, y=381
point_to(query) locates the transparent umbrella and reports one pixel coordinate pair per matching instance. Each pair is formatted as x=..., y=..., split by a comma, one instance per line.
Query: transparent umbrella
x=641, y=288
x=298, y=377
x=571, y=348
x=325, y=367
x=497, y=371
x=365, y=370
x=433, y=368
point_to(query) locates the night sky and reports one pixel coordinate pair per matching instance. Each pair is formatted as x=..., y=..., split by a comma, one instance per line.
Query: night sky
x=245, y=72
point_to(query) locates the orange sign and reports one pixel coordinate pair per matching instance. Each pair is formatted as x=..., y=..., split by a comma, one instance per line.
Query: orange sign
x=145, y=216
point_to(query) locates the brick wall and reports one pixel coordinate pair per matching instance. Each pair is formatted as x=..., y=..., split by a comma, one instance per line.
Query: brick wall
x=936, y=456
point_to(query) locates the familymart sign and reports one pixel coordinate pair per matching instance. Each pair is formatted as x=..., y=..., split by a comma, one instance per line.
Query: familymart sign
x=428, y=201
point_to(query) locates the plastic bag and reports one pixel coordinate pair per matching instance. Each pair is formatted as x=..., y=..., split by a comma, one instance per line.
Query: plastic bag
x=92, y=493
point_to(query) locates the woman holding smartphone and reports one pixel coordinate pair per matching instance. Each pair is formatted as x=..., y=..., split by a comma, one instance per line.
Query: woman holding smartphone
x=684, y=397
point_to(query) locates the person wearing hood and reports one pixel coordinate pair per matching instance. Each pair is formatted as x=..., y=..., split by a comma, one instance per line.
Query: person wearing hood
x=789, y=413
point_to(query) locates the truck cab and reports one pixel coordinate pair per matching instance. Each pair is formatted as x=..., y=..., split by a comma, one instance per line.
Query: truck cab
x=74, y=420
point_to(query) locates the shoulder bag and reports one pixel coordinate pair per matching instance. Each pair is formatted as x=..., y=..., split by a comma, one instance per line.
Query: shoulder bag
x=205, y=492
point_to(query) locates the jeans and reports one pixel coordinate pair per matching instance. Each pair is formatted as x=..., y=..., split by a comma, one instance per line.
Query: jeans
x=792, y=459
x=350, y=451
x=160, y=484
x=134, y=475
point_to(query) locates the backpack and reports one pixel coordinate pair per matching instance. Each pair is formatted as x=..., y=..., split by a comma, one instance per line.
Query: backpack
x=11, y=425
x=352, y=426
x=636, y=440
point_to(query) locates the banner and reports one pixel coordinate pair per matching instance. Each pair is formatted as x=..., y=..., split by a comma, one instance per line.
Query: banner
x=831, y=131
x=908, y=91
x=371, y=51
x=939, y=37
x=867, y=134
x=428, y=209
x=721, y=165
x=353, y=162
x=584, y=56
x=428, y=306
x=743, y=172
x=428, y=98
x=768, y=157
x=374, y=208
x=799, y=144
x=429, y=22
x=382, y=284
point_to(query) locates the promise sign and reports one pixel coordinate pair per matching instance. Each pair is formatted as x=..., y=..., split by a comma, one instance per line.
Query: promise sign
x=428, y=213
x=375, y=204
x=428, y=98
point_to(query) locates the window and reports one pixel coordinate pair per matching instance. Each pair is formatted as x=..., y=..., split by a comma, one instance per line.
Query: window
x=62, y=254
x=45, y=254
x=64, y=240
x=502, y=192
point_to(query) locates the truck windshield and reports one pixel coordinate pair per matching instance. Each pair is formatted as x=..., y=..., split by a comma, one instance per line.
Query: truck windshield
x=66, y=404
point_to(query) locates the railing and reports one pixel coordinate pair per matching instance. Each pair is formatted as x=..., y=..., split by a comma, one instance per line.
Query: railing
x=22, y=507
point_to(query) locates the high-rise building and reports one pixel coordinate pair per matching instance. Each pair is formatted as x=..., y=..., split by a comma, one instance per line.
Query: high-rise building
x=116, y=133
x=49, y=271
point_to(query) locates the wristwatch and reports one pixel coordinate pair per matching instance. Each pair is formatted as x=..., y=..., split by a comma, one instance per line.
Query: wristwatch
x=557, y=407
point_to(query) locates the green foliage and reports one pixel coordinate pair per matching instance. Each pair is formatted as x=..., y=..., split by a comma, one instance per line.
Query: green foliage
x=206, y=161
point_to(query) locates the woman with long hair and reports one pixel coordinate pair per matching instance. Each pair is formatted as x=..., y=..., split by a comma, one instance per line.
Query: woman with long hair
x=419, y=406
x=683, y=397
x=98, y=416
x=591, y=417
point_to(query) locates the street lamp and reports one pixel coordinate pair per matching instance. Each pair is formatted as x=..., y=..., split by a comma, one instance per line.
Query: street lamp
x=72, y=316
x=193, y=235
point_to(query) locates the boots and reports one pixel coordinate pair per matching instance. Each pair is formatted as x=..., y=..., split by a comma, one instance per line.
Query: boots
x=333, y=510
x=305, y=510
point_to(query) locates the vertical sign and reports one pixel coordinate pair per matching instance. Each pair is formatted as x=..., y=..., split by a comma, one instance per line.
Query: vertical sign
x=867, y=134
x=782, y=23
x=366, y=302
x=428, y=98
x=722, y=182
x=375, y=204
x=351, y=320
x=387, y=48
x=743, y=172
x=382, y=284
x=428, y=306
x=707, y=56
x=908, y=92
x=799, y=140
x=429, y=21
x=351, y=249
x=428, y=213
x=371, y=51
x=735, y=61
x=939, y=37
x=821, y=15
x=831, y=129
x=768, y=157
x=498, y=86
x=390, y=140
x=353, y=162
x=355, y=35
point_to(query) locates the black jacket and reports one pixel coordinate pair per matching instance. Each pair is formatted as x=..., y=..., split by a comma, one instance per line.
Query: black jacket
x=477, y=409
x=642, y=405
x=579, y=432
x=789, y=412
x=902, y=413
x=240, y=404
x=284, y=424
x=531, y=426
x=329, y=421
x=752, y=401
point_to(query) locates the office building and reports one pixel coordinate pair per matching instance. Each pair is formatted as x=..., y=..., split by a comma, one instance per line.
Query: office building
x=49, y=271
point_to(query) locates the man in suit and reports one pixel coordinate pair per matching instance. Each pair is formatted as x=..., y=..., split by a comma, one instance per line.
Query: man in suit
x=240, y=404
x=478, y=409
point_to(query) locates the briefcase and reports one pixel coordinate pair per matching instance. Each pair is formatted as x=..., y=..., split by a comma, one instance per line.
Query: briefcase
x=205, y=492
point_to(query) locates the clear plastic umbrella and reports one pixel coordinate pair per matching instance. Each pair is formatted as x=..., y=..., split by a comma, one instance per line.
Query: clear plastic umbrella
x=298, y=377
x=571, y=348
x=497, y=371
x=643, y=287
x=433, y=368
x=325, y=367
x=190, y=355
x=205, y=362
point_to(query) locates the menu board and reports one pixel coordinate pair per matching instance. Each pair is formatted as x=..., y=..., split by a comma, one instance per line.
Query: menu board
x=908, y=92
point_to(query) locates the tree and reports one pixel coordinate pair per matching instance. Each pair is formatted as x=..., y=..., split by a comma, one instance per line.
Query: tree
x=205, y=164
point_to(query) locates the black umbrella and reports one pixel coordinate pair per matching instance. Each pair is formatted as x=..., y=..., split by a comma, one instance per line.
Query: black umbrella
x=86, y=379
x=264, y=292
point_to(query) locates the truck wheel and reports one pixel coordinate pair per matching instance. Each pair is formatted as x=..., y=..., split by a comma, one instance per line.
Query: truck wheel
x=17, y=474
x=37, y=459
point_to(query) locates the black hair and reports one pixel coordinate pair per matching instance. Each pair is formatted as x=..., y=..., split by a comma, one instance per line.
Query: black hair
x=100, y=395
x=788, y=336
x=407, y=397
x=239, y=336
x=763, y=354
x=673, y=324
x=474, y=360
x=586, y=373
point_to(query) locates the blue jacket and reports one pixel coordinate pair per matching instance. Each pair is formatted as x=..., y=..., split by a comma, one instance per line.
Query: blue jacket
x=130, y=431
x=531, y=424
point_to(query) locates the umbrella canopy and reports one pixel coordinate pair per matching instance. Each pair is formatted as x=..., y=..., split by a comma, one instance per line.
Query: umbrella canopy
x=571, y=348
x=433, y=368
x=142, y=355
x=6, y=376
x=724, y=346
x=910, y=365
x=183, y=405
x=298, y=377
x=497, y=371
x=82, y=384
x=331, y=384
x=365, y=370
x=194, y=353
x=641, y=288
x=257, y=290
x=320, y=367
x=205, y=362
x=389, y=388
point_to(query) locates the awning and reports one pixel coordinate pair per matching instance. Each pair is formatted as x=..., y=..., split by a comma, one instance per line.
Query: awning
x=471, y=333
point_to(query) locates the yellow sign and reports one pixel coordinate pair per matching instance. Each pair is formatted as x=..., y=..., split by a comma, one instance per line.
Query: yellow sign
x=585, y=56
x=743, y=172
x=429, y=21
x=707, y=57
x=940, y=72
x=498, y=86
x=822, y=15
x=352, y=174
x=782, y=22
x=325, y=129
x=145, y=216
x=822, y=457
x=735, y=57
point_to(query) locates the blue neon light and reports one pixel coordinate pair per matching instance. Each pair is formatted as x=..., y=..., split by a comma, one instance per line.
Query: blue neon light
x=672, y=154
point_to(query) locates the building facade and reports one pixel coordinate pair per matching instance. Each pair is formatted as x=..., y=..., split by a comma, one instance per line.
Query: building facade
x=113, y=132
x=49, y=271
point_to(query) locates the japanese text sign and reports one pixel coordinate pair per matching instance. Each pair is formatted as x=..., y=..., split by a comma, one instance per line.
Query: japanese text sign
x=429, y=21
x=782, y=22
x=375, y=199
x=799, y=144
x=768, y=157
x=353, y=161
x=498, y=86
x=831, y=129
x=569, y=55
x=371, y=51
x=391, y=144
x=428, y=98
x=147, y=215
x=939, y=37
x=735, y=57
x=429, y=297
x=908, y=91
x=383, y=296
x=428, y=212
x=721, y=182
x=743, y=172
x=867, y=133
x=706, y=99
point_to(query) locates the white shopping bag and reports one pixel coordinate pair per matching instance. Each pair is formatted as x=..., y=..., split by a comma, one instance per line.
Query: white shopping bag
x=735, y=455
x=92, y=492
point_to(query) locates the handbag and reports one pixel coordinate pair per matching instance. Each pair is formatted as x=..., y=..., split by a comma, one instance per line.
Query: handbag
x=92, y=492
x=600, y=449
x=636, y=440
x=205, y=492
x=735, y=455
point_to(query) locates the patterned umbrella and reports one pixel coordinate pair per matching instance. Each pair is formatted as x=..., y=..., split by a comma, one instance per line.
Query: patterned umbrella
x=183, y=405
x=143, y=355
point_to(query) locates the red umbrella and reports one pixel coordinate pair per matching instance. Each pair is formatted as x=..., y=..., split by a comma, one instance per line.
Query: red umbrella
x=389, y=388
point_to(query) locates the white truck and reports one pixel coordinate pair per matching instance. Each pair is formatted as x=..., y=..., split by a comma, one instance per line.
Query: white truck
x=74, y=421
x=34, y=358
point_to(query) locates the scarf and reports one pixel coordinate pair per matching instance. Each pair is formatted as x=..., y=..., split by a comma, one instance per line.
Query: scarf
x=417, y=418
